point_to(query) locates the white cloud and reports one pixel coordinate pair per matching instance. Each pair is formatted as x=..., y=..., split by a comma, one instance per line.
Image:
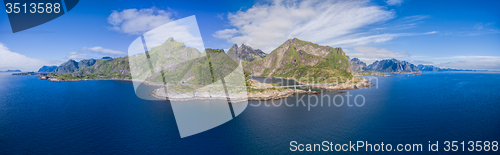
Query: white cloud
x=378, y=53
x=362, y=39
x=432, y=32
x=76, y=56
x=394, y=2
x=104, y=51
x=225, y=34
x=13, y=60
x=487, y=63
x=325, y=22
x=133, y=21
x=481, y=28
x=417, y=62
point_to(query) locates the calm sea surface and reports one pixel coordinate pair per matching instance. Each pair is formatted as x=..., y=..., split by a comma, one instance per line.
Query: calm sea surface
x=106, y=117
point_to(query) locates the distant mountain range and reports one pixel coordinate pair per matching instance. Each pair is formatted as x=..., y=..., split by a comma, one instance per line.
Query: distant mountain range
x=296, y=59
x=431, y=68
x=395, y=66
x=17, y=70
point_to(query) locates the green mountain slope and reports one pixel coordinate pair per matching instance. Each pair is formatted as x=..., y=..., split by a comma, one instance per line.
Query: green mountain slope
x=101, y=69
x=73, y=66
x=303, y=61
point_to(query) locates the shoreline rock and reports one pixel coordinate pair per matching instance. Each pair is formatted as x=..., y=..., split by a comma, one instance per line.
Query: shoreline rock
x=250, y=96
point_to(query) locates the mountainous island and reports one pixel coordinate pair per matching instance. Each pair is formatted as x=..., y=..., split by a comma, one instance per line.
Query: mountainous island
x=294, y=59
x=184, y=69
x=17, y=70
x=304, y=62
x=394, y=66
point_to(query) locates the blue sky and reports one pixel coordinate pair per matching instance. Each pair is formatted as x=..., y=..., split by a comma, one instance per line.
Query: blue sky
x=454, y=34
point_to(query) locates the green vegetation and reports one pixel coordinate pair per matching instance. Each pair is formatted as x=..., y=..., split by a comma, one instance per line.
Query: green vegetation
x=303, y=66
x=249, y=89
x=265, y=72
x=101, y=69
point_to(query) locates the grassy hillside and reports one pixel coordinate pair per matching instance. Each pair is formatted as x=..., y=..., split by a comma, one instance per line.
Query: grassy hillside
x=303, y=61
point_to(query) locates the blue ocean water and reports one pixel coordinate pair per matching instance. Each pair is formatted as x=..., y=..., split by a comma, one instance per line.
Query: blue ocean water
x=106, y=117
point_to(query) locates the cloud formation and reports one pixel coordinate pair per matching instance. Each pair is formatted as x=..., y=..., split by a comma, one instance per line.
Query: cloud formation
x=12, y=60
x=325, y=22
x=480, y=29
x=76, y=56
x=104, y=51
x=135, y=22
x=394, y=2
x=484, y=63
x=418, y=62
x=377, y=53
x=369, y=54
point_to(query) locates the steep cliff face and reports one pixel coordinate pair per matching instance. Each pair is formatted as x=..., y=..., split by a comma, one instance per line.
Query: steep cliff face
x=86, y=63
x=393, y=65
x=358, y=65
x=67, y=67
x=73, y=66
x=245, y=53
x=47, y=69
x=298, y=59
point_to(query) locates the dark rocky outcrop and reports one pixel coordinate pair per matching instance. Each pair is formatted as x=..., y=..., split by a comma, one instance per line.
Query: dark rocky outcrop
x=393, y=65
x=358, y=65
x=245, y=53
x=73, y=66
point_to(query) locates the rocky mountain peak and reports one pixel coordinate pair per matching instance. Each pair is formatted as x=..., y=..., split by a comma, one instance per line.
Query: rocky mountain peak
x=358, y=65
x=245, y=53
x=170, y=39
x=235, y=46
